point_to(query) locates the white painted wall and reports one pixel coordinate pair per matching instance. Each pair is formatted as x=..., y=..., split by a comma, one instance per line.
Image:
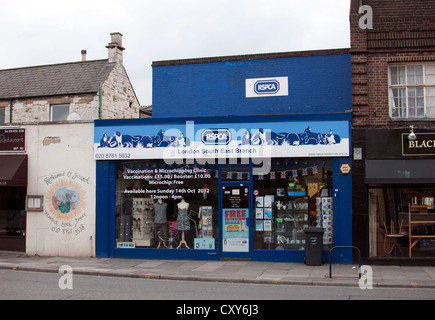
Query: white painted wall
x=59, y=156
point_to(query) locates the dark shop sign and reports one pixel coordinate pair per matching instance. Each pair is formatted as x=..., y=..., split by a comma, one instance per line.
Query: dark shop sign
x=423, y=146
x=12, y=140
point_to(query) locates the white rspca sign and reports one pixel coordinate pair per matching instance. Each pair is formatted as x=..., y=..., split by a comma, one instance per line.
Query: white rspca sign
x=267, y=87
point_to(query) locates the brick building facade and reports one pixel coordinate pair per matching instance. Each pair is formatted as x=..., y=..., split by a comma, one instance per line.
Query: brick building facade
x=393, y=88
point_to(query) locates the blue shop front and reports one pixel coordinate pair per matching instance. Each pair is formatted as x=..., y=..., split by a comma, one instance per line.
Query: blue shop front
x=231, y=186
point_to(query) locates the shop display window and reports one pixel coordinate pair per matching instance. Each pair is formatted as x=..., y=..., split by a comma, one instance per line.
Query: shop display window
x=293, y=195
x=12, y=211
x=402, y=222
x=166, y=207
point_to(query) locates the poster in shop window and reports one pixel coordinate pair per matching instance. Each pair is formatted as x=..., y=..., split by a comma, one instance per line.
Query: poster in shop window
x=236, y=219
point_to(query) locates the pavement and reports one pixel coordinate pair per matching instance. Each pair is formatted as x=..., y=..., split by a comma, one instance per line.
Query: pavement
x=225, y=271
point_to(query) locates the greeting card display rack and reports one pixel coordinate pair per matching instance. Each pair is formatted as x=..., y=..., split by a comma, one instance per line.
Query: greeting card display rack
x=143, y=225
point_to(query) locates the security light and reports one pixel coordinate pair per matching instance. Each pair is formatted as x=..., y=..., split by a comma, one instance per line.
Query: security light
x=412, y=136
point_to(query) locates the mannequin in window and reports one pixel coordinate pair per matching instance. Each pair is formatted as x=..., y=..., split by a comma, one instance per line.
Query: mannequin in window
x=183, y=221
x=126, y=220
x=160, y=221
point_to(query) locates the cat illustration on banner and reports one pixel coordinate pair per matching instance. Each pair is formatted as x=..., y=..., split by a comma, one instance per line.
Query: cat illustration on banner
x=292, y=139
x=120, y=140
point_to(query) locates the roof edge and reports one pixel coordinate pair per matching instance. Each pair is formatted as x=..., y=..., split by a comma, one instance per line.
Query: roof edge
x=54, y=64
x=251, y=57
x=48, y=96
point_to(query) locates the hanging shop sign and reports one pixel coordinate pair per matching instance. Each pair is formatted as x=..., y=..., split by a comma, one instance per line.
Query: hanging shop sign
x=423, y=146
x=224, y=140
x=12, y=140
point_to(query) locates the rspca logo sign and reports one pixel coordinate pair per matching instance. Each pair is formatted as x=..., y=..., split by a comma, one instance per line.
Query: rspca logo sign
x=267, y=87
x=216, y=137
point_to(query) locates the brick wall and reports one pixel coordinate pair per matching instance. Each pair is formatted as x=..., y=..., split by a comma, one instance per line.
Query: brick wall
x=403, y=31
x=390, y=14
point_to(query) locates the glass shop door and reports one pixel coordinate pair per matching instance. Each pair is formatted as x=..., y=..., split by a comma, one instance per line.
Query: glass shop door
x=236, y=220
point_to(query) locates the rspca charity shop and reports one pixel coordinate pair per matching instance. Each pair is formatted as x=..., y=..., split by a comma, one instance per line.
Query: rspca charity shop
x=236, y=164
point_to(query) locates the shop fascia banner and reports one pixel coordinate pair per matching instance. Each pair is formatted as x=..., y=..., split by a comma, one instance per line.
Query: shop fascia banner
x=217, y=141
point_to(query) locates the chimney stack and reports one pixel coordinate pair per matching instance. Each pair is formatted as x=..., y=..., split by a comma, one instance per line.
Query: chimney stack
x=115, y=48
x=84, y=53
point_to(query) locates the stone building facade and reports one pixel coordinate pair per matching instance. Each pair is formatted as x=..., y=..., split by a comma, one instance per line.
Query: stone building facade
x=85, y=90
x=47, y=168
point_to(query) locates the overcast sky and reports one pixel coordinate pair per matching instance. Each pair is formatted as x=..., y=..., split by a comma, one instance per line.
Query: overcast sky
x=39, y=32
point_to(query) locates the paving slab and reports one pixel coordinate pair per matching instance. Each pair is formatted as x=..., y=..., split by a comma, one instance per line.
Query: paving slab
x=225, y=271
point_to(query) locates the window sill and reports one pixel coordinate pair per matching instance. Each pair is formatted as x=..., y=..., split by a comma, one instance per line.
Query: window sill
x=410, y=119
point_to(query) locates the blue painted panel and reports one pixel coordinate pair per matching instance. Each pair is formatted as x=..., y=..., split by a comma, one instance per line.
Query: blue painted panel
x=279, y=256
x=316, y=84
x=167, y=254
x=342, y=211
x=102, y=210
x=346, y=116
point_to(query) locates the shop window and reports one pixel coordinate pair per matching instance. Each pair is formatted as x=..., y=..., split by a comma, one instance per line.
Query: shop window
x=12, y=211
x=2, y=115
x=236, y=172
x=402, y=222
x=412, y=91
x=166, y=207
x=293, y=195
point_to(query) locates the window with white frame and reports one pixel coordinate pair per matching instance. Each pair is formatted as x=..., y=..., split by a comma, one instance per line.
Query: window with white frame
x=412, y=91
x=59, y=112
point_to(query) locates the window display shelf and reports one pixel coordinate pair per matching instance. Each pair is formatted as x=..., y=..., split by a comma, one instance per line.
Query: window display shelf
x=422, y=211
x=291, y=211
x=290, y=222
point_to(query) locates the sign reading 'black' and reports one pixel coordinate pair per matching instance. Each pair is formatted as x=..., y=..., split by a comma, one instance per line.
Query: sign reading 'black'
x=423, y=146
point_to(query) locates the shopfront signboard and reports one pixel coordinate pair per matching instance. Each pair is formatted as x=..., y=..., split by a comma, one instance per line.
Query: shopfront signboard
x=424, y=145
x=12, y=140
x=267, y=87
x=192, y=140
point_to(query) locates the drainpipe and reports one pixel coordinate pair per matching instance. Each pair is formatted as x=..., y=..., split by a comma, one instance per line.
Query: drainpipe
x=10, y=111
x=100, y=107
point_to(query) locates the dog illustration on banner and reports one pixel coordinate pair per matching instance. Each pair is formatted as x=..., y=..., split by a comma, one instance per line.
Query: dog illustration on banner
x=259, y=138
x=120, y=140
x=292, y=139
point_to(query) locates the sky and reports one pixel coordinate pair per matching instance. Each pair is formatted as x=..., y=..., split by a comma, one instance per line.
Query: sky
x=56, y=31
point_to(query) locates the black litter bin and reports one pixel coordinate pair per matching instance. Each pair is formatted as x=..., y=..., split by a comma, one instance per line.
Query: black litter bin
x=314, y=246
